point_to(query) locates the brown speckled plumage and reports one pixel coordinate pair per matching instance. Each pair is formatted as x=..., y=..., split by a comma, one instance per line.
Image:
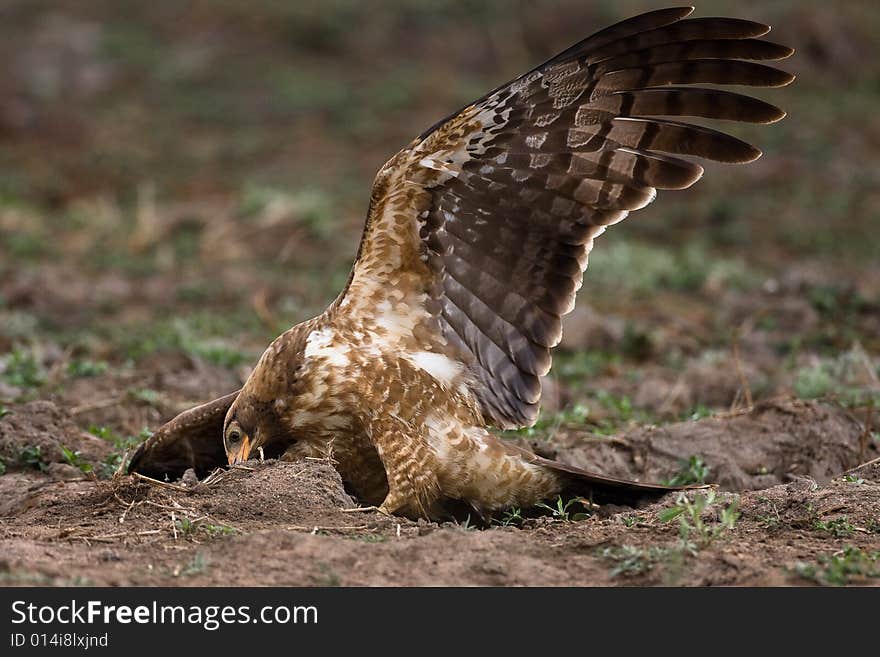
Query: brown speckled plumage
x=475, y=245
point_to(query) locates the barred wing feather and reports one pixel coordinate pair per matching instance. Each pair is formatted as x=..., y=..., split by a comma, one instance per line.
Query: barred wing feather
x=486, y=220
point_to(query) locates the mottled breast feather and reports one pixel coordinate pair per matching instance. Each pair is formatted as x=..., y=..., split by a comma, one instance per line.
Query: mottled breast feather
x=479, y=230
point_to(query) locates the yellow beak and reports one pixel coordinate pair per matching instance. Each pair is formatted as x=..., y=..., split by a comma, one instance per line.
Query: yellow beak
x=243, y=452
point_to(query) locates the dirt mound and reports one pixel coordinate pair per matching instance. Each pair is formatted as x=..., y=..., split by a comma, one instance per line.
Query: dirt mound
x=35, y=435
x=255, y=495
x=777, y=441
x=137, y=533
x=274, y=492
x=278, y=523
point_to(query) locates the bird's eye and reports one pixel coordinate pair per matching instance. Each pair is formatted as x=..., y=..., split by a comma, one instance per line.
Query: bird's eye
x=234, y=436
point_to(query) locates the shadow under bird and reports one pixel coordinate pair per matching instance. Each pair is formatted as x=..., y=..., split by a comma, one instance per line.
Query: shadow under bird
x=475, y=244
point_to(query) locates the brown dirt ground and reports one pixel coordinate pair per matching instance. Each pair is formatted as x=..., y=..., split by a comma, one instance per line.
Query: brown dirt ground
x=180, y=182
x=279, y=523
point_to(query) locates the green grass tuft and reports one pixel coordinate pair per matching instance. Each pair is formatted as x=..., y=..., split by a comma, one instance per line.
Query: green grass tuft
x=561, y=511
x=22, y=370
x=692, y=527
x=841, y=568
x=839, y=527
x=631, y=560
x=75, y=459
x=32, y=456
x=693, y=471
x=86, y=368
x=122, y=445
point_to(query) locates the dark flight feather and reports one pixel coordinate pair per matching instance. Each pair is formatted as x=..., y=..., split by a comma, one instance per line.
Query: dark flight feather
x=193, y=439
x=558, y=154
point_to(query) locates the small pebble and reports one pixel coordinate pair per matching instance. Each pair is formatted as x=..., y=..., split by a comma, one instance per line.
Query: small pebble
x=189, y=478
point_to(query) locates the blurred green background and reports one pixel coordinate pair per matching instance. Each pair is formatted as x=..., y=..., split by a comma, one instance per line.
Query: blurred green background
x=193, y=176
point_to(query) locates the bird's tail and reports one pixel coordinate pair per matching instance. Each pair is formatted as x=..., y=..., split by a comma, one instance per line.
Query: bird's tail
x=602, y=489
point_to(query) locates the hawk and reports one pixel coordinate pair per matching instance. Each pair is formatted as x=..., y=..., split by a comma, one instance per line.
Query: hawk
x=475, y=245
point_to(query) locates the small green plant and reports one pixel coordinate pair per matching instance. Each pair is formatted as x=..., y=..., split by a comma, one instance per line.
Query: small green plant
x=26, y=246
x=466, y=524
x=619, y=412
x=144, y=395
x=198, y=335
x=113, y=463
x=573, y=416
x=185, y=526
x=631, y=521
x=615, y=411
x=813, y=382
x=622, y=405
x=2, y=466
x=640, y=268
x=4, y=412
x=769, y=520
x=512, y=516
x=86, y=368
x=22, y=370
x=835, y=301
x=854, y=479
x=842, y=567
x=110, y=466
x=75, y=459
x=218, y=354
x=103, y=433
x=631, y=560
x=370, y=538
x=700, y=412
x=841, y=377
x=195, y=566
x=690, y=516
x=219, y=530
x=839, y=527
x=573, y=368
x=32, y=457
x=693, y=471
x=561, y=510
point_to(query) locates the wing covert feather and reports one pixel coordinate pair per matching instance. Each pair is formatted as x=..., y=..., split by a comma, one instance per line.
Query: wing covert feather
x=479, y=230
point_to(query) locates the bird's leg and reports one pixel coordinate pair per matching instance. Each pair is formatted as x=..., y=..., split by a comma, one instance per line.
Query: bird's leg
x=407, y=459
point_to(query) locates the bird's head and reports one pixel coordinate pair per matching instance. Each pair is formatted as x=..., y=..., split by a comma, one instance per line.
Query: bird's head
x=259, y=418
x=251, y=426
x=237, y=439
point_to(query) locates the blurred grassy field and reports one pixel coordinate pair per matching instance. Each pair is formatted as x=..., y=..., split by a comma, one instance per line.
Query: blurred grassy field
x=193, y=177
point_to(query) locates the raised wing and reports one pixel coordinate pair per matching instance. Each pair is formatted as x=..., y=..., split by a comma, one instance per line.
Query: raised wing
x=478, y=232
x=193, y=439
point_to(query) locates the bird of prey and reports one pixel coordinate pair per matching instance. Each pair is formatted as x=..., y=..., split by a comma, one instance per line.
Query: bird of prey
x=475, y=244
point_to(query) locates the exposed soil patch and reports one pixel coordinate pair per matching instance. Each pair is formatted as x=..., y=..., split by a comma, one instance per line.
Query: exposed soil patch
x=779, y=440
x=292, y=523
x=37, y=435
x=178, y=187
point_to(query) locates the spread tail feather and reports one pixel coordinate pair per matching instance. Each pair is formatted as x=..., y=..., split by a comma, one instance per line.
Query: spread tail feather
x=603, y=489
